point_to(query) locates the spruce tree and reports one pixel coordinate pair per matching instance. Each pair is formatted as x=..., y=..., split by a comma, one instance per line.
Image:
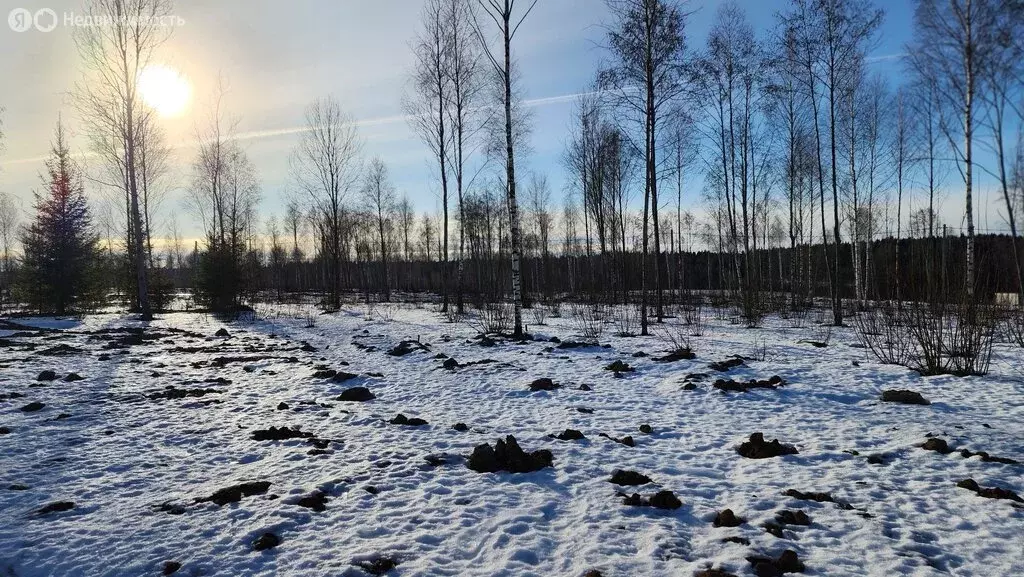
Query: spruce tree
x=60, y=249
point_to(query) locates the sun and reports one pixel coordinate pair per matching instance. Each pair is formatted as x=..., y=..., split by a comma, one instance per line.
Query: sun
x=165, y=90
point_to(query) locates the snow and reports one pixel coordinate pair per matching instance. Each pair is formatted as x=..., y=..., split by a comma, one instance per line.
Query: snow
x=120, y=454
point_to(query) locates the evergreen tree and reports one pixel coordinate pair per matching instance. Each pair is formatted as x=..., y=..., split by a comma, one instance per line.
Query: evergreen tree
x=60, y=249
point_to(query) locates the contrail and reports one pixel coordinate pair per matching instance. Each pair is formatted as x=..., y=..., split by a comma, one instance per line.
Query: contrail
x=291, y=131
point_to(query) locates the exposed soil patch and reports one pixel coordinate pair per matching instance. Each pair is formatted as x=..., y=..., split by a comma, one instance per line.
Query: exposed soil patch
x=265, y=541
x=234, y=493
x=629, y=478
x=757, y=448
x=544, y=384
x=171, y=392
x=405, y=347
x=989, y=492
x=569, y=435
x=726, y=365
x=938, y=445
x=401, y=419
x=55, y=507
x=356, y=395
x=726, y=518
x=676, y=355
x=729, y=385
x=904, y=396
x=661, y=500
x=506, y=455
x=787, y=562
x=378, y=565
x=280, y=434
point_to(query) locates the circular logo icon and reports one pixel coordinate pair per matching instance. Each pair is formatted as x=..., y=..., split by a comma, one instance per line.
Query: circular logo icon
x=20, y=19
x=45, y=20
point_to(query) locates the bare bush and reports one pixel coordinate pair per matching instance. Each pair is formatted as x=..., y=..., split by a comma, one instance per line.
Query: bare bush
x=627, y=320
x=1013, y=326
x=493, y=319
x=882, y=331
x=588, y=320
x=539, y=313
x=385, y=313
x=821, y=334
x=951, y=338
x=676, y=338
x=693, y=318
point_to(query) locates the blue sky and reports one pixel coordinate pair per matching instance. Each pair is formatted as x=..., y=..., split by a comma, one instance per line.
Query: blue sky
x=277, y=56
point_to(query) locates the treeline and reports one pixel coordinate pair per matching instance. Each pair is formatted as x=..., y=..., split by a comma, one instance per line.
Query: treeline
x=808, y=161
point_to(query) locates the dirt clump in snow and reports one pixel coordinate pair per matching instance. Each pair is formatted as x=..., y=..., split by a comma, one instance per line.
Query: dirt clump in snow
x=378, y=565
x=726, y=518
x=676, y=355
x=817, y=497
x=460, y=427
x=171, y=392
x=619, y=366
x=726, y=365
x=938, y=445
x=788, y=562
x=988, y=458
x=356, y=395
x=72, y=377
x=661, y=500
x=280, y=434
x=787, y=517
x=713, y=572
x=55, y=507
x=46, y=375
x=405, y=347
x=401, y=419
x=506, y=455
x=904, y=396
x=757, y=448
x=627, y=440
x=234, y=493
x=569, y=435
x=266, y=541
x=33, y=407
x=543, y=384
x=630, y=478
x=646, y=429
x=729, y=385
x=989, y=492
x=170, y=568
x=317, y=501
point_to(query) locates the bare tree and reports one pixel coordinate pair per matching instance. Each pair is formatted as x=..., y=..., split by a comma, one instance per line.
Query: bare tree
x=108, y=99
x=8, y=232
x=428, y=104
x=379, y=197
x=647, y=76
x=325, y=166
x=952, y=46
x=466, y=115
x=1002, y=74
x=406, y=225
x=505, y=18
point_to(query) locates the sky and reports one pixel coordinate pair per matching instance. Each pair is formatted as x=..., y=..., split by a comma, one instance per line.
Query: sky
x=278, y=56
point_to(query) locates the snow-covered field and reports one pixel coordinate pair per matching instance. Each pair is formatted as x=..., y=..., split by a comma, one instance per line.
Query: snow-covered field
x=129, y=457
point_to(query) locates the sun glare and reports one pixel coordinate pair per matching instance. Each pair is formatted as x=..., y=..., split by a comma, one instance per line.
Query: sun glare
x=164, y=89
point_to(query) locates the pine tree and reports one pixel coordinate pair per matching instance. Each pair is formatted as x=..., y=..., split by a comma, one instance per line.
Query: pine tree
x=60, y=249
